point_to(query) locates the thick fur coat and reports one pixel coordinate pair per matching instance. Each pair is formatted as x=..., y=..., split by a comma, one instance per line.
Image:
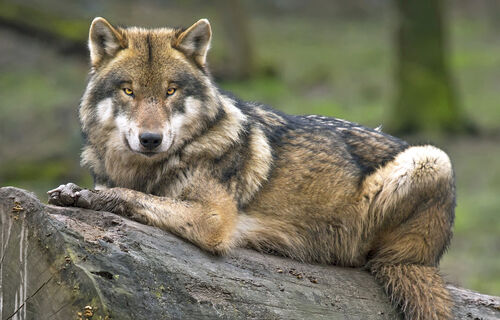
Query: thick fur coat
x=166, y=147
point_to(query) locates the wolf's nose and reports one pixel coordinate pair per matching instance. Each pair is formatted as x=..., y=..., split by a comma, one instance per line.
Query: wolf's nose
x=150, y=140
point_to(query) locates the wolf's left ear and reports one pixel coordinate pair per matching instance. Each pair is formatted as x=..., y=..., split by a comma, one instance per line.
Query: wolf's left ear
x=104, y=41
x=195, y=41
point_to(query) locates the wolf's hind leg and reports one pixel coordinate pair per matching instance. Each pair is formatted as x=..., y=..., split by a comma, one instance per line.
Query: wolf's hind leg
x=405, y=261
x=415, y=209
x=208, y=218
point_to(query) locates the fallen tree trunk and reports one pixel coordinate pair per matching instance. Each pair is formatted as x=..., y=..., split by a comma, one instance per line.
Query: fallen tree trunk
x=70, y=263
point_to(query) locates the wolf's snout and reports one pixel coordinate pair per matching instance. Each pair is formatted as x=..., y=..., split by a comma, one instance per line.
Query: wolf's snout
x=150, y=140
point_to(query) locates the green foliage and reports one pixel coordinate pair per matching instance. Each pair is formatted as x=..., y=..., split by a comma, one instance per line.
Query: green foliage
x=473, y=257
x=41, y=176
x=45, y=21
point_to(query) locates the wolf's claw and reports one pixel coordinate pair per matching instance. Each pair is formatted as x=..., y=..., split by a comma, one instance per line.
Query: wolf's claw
x=65, y=195
x=83, y=198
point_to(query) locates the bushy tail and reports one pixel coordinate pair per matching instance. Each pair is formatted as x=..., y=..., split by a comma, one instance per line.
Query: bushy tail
x=417, y=290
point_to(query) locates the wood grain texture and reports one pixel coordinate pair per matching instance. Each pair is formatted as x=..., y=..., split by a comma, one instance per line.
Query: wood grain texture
x=65, y=263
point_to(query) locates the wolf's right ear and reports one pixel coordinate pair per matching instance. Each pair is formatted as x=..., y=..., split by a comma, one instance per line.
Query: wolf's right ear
x=104, y=41
x=195, y=41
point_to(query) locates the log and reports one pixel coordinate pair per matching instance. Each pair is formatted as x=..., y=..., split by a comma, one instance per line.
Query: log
x=71, y=263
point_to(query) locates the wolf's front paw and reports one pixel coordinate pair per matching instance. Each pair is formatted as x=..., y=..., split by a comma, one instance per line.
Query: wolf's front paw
x=70, y=195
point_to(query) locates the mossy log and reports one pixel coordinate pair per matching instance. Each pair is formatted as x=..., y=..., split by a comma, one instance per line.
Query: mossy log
x=70, y=263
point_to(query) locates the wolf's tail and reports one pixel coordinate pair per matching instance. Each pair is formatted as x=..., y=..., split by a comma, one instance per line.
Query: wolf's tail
x=417, y=290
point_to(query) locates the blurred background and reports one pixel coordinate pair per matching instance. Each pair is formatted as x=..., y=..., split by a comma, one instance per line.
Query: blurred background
x=426, y=70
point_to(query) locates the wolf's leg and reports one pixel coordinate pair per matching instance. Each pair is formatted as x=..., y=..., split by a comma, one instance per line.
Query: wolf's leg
x=415, y=209
x=207, y=219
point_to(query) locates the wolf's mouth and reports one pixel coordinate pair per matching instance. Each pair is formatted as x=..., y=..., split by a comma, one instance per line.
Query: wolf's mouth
x=148, y=154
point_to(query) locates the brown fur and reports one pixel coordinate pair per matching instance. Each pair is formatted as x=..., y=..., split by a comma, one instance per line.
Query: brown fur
x=240, y=174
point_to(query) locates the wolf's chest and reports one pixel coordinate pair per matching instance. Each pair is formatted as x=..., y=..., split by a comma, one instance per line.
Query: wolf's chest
x=166, y=178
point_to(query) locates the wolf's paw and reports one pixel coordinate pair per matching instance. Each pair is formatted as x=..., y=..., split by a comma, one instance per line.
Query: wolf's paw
x=70, y=195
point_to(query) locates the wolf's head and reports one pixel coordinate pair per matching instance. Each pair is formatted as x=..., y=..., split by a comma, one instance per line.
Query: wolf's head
x=148, y=91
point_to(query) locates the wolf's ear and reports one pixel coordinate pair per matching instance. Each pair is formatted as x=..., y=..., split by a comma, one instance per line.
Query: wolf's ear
x=195, y=41
x=104, y=41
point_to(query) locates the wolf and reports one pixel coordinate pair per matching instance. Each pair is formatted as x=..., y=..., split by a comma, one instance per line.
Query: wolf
x=168, y=148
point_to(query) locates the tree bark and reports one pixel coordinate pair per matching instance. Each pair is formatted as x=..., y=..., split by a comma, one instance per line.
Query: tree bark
x=70, y=263
x=239, y=62
x=426, y=96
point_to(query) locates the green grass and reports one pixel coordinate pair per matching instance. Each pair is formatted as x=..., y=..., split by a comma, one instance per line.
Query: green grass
x=348, y=79
x=475, y=60
x=333, y=69
x=42, y=176
x=472, y=260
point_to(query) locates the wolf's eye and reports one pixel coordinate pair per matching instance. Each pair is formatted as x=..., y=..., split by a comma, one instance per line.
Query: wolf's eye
x=128, y=91
x=170, y=91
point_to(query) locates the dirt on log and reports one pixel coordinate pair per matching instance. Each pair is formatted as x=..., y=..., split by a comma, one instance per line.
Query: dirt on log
x=70, y=263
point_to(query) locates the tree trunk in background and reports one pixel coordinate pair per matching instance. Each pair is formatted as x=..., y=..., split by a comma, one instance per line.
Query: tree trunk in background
x=239, y=62
x=426, y=97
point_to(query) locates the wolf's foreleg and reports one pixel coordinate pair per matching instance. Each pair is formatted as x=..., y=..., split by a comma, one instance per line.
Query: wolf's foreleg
x=208, y=218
